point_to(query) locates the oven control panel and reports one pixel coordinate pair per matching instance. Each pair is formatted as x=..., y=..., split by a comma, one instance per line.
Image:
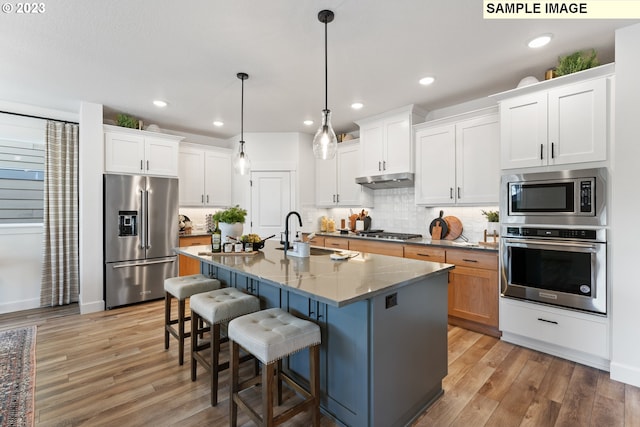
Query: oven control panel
x=556, y=233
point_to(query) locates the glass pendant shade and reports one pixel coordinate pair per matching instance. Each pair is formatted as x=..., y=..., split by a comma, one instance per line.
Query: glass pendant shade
x=325, y=143
x=241, y=162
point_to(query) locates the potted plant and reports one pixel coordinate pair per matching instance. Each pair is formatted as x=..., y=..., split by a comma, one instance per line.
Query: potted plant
x=230, y=221
x=493, y=222
x=577, y=61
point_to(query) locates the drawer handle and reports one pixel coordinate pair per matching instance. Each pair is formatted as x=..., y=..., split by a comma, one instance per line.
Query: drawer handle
x=469, y=260
x=548, y=321
x=419, y=254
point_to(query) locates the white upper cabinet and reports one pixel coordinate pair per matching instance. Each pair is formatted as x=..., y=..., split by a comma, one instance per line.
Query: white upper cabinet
x=335, y=179
x=205, y=176
x=562, y=125
x=457, y=162
x=385, y=141
x=133, y=151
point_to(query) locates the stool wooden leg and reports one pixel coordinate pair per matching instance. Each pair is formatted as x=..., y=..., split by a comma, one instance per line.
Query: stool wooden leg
x=195, y=321
x=234, y=361
x=181, y=314
x=267, y=393
x=215, y=360
x=279, y=382
x=167, y=318
x=314, y=383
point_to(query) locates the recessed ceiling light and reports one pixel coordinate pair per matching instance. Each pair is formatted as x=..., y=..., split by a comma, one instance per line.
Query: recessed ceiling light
x=426, y=81
x=308, y=122
x=357, y=105
x=160, y=103
x=540, y=41
x=218, y=123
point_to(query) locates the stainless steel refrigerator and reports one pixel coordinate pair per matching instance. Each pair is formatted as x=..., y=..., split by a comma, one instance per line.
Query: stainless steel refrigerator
x=140, y=232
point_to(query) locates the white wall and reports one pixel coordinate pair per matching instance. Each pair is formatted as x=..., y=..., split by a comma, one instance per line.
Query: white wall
x=624, y=237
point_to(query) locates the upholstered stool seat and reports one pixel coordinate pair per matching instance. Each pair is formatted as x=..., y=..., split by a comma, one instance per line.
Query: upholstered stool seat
x=182, y=288
x=213, y=308
x=270, y=335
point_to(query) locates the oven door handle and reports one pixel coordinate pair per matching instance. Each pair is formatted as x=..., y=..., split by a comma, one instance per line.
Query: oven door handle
x=541, y=244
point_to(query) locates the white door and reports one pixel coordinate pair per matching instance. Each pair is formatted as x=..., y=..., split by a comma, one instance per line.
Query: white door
x=270, y=202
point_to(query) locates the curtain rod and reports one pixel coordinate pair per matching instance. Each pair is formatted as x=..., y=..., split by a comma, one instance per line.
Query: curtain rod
x=39, y=117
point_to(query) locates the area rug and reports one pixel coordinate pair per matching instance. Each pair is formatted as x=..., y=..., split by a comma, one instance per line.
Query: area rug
x=17, y=376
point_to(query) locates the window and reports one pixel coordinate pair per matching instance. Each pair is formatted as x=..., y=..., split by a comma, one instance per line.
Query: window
x=22, y=153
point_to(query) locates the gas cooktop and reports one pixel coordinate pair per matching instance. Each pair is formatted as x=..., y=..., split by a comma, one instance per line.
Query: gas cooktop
x=387, y=235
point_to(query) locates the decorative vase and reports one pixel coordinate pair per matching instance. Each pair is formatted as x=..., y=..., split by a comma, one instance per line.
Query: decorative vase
x=493, y=226
x=233, y=230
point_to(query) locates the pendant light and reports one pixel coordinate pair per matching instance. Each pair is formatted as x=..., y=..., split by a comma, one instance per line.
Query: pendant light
x=325, y=142
x=241, y=162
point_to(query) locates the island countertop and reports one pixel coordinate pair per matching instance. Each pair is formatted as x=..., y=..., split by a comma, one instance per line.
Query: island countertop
x=333, y=282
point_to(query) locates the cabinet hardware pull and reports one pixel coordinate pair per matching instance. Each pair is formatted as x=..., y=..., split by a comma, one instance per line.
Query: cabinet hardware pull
x=469, y=260
x=451, y=193
x=548, y=321
x=334, y=198
x=379, y=166
x=541, y=152
x=141, y=165
x=552, y=150
x=207, y=198
x=202, y=198
x=419, y=254
x=458, y=192
x=337, y=198
x=384, y=165
x=147, y=164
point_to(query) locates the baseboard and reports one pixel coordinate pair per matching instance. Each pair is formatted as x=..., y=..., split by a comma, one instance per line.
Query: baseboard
x=12, y=306
x=625, y=373
x=91, y=307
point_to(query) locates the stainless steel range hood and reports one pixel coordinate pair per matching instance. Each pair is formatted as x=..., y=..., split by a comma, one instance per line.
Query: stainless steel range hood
x=395, y=180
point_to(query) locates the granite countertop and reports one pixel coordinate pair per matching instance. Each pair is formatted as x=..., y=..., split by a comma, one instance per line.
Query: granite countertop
x=336, y=283
x=426, y=241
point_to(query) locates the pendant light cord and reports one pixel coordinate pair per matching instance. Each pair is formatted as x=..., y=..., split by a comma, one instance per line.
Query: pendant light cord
x=242, y=115
x=326, y=70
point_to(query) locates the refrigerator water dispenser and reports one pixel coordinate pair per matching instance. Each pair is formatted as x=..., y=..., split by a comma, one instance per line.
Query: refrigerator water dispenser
x=128, y=223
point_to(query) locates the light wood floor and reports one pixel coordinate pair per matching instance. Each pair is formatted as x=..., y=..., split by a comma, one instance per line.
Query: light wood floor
x=110, y=368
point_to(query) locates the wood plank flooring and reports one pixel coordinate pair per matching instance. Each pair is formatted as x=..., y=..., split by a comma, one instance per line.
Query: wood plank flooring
x=110, y=368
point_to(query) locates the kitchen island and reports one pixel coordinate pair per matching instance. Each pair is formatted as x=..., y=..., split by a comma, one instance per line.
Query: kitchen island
x=383, y=322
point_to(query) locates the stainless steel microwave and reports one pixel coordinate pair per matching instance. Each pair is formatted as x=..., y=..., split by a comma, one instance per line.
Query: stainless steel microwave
x=571, y=197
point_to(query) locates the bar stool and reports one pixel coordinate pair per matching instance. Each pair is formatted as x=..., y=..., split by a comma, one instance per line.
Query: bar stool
x=182, y=288
x=271, y=335
x=213, y=308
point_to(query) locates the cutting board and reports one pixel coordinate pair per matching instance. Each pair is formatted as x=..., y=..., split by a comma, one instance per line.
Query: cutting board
x=436, y=232
x=455, y=227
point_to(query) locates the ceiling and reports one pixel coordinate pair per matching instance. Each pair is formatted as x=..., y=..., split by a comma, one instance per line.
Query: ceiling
x=125, y=54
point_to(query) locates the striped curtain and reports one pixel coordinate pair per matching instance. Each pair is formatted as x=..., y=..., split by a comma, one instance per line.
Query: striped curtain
x=60, y=284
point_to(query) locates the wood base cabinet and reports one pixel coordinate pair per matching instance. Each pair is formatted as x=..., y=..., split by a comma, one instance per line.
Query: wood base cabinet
x=473, y=290
x=188, y=265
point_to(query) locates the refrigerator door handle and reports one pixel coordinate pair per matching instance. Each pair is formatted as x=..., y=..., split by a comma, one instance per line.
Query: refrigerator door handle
x=142, y=264
x=143, y=220
x=146, y=220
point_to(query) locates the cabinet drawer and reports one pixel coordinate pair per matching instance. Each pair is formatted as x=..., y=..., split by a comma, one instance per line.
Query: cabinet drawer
x=382, y=248
x=317, y=241
x=570, y=330
x=194, y=240
x=424, y=253
x=336, y=243
x=473, y=258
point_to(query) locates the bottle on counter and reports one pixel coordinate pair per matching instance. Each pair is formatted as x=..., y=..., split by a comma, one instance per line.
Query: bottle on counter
x=323, y=223
x=216, y=239
x=331, y=225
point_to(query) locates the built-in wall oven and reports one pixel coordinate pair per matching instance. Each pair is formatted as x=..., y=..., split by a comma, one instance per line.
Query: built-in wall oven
x=553, y=239
x=558, y=266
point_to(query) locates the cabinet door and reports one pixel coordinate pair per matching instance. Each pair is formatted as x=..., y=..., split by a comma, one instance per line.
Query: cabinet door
x=336, y=243
x=477, y=160
x=523, y=131
x=191, y=177
x=435, y=178
x=187, y=264
x=398, y=153
x=372, y=146
x=578, y=122
x=348, y=162
x=161, y=157
x=124, y=153
x=326, y=183
x=473, y=295
x=217, y=178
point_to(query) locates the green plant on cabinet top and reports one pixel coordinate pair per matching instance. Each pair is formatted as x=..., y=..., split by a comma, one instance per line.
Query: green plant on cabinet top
x=231, y=215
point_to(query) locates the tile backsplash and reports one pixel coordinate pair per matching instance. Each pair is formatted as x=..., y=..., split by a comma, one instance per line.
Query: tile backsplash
x=395, y=210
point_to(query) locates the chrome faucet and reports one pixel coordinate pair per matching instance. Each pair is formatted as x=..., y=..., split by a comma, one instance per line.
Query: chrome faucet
x=286, y=228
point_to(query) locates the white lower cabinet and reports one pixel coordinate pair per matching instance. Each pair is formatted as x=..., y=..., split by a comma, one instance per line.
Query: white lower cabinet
x=458, y=162
x=577, y=336
x=205, y=176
